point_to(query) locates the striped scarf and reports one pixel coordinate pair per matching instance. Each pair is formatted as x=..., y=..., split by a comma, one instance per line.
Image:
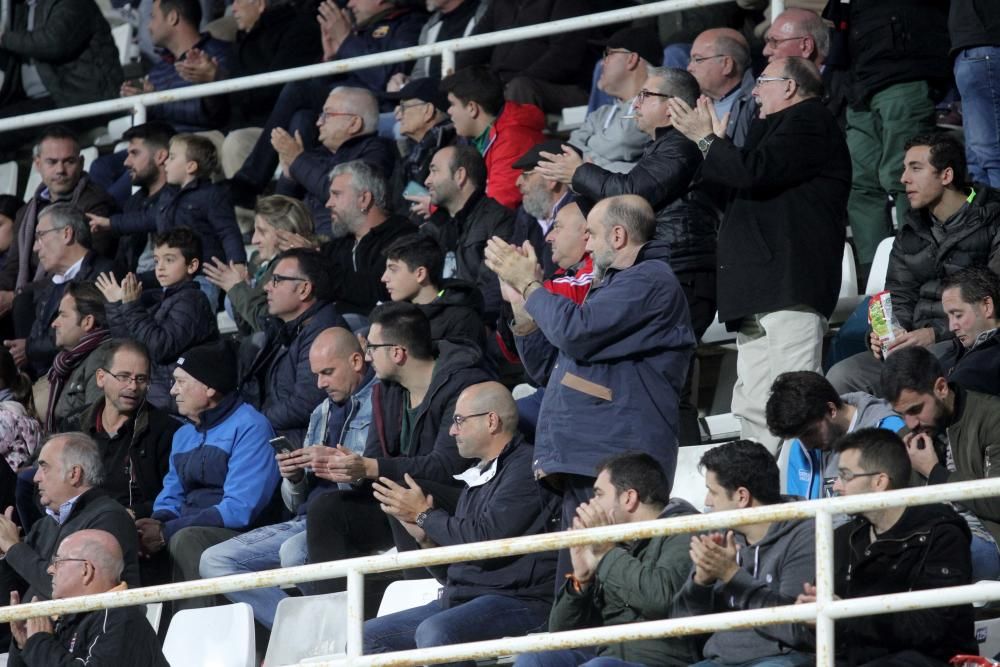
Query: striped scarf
x=64, y=364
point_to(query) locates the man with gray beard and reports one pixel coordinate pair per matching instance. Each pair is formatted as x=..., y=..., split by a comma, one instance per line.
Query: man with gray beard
x=362, y=229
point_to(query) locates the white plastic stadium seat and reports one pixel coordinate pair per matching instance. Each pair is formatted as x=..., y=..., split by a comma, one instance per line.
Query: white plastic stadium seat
x=848, y=299
x=988, y=637
x=880, y=266
x=154, y=611
x=307, y=627
x=34, y=179
x=225, y=323
x=408, y=594
x=89, y=155
x=8, y=178
x=122, y=36
x=213, y=636
x=689, y=482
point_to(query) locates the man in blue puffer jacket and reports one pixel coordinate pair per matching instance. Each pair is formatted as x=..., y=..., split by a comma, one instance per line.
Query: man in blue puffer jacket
x=222, y=469
x=806, y=411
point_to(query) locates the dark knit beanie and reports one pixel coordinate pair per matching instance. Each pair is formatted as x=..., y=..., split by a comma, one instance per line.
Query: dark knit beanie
x=212, y=364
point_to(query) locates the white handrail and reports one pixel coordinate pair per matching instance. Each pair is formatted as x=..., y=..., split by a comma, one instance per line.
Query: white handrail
x=823, y=611
x=447, y=49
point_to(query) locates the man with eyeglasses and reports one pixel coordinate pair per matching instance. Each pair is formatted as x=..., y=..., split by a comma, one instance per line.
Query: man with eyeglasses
x=779, y=253
x=609, y=136
x=895, y=550
x=720, y=61
x=299, y=306
x=480, y=599
x=88, y=562
x=412, y=409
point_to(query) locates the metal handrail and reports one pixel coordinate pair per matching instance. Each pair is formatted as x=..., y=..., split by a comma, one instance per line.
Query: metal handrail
x=824, y=611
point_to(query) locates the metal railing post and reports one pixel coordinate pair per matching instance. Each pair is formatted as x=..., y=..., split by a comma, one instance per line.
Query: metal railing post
x=139, y=115
x=777, y=6
x=355, y=612
x=824, y=588
x=447, y=62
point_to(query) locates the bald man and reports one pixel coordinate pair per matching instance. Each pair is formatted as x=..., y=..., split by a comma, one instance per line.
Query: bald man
x=484, y=599
x=337, y=427
x=86, y=563
x=720, y=62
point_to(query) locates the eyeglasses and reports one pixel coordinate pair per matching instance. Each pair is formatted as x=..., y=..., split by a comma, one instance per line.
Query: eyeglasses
x=39, y=233
x=56, y=560
x=697, y=60
x=846, y=475
x=330, y=114
x=461, y=419
x=370, y=347
x=773, y=42
x=643, y=94
x=609, y=51
x=277, y=279
x=401, y=108
x=766, y=79
x=126, y=378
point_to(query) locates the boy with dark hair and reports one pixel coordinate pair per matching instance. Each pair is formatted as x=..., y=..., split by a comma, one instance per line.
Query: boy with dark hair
x=180, y=320
x=413, y=273
x=805, y=409
x=744, y=474
x=192, y=201
x=895, y=550
x=501, y=131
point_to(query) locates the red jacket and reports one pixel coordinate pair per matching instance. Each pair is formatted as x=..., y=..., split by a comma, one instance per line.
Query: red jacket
x=516, y=130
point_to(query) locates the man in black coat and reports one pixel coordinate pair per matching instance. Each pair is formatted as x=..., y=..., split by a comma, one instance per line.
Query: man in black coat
x=782, y=238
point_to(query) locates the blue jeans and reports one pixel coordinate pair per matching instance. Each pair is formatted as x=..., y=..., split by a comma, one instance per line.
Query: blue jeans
x=485, y=617
x=266, y=548
x=793, y=659
x=985, y=560
x=977, y=75
x=576, y=657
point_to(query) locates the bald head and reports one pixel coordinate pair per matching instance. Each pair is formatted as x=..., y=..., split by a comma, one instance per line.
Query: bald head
x=798, y=32
x=338, y=362
x=719, y=57
x=70, y=575
x=493, y=397
x=336, y=341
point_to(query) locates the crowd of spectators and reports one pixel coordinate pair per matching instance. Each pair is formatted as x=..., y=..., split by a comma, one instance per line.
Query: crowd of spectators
x=422, y=244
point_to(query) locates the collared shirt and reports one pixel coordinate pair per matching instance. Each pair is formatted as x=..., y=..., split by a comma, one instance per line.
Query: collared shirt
x=478, y=474
x=725, y=104
x=64, y=510
x=71, y=272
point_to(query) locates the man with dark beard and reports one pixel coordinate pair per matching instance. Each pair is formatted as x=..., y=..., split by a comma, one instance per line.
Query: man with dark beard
x=951, y=439
x=362, y=229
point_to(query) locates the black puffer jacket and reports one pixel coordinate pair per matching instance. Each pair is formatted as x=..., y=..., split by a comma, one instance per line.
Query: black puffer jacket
x=918, y=262
x=973, y=23
x=464, y=238
x=662, y=176
x=457, y=313
x=432, y=454
x=927, y=548
x=182, y=319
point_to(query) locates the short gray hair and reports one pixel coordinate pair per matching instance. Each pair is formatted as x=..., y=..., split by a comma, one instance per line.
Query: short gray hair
x=678, y=83
x=634, y=214
x=735, y=49
x=362, y=102
x=79, y=449
x=818, y=30
x=64, y=214
x=364, y=178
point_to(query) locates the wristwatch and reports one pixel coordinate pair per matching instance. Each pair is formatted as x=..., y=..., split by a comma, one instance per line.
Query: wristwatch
x=705, y=143
x=421, y=518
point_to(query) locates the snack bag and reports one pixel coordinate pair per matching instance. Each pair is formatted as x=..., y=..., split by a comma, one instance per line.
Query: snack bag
x=882, y=321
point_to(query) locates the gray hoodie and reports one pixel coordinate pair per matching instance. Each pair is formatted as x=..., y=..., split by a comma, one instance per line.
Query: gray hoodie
x=772, y=573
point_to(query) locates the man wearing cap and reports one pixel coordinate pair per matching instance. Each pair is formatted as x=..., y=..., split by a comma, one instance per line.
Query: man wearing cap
x=720, y=61
x=541, y=199
x=222, y=468
x=609, y=136
x=422, y=114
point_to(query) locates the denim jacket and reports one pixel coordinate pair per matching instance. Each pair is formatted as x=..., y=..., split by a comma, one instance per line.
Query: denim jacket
x=353, y=435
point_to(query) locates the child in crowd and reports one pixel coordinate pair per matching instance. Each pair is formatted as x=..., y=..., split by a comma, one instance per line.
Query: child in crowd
x=192, y=201
x=414, y=265
x=182, y=318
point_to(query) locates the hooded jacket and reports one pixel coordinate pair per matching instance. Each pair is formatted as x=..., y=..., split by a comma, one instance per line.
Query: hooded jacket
x=928, y=547
x=222, y=470
x=279, y=377
x=515, y=131
x=463, y=240
x=433, y=454
x=182, y=319
x=771, y=574
x=509, y=504
x=457, y=313
x=635, y=582
x=662, y=176
x=612, y=367
x=811, y=472
x=918, y=263
x=977, y=368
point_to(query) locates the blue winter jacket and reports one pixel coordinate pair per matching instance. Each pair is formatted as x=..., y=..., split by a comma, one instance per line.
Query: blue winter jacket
x=612, y=367
x=222, y=471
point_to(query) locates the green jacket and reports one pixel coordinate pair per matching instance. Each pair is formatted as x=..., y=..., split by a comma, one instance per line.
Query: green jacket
x=250, y=302
x=635, y=582
x=81, y=390
x=72, y=48
x=974, y=434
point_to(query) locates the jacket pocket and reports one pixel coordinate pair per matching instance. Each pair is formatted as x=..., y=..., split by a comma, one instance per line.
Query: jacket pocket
x=586, y=386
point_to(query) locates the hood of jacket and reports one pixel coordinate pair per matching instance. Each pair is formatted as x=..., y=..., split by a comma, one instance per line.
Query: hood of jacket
x=514, y=114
